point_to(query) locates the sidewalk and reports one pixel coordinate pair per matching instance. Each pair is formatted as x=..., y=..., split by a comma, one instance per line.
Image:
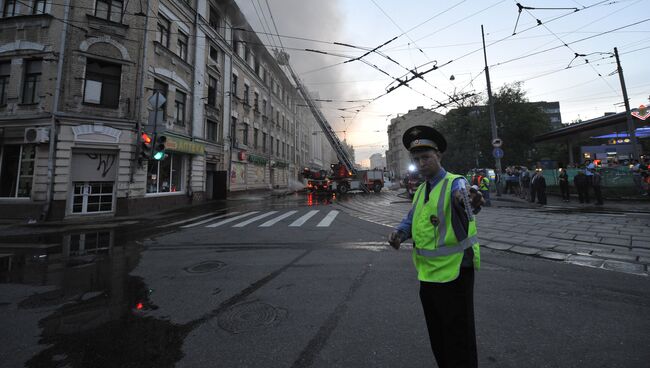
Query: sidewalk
x=555, y=201
x=20, y=228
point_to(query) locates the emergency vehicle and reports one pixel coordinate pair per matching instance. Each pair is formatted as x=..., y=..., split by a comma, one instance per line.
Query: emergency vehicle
x=342, y=180
x=317, y=180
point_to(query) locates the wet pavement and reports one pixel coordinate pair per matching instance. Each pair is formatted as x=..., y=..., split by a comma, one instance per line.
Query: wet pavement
x=142, y=293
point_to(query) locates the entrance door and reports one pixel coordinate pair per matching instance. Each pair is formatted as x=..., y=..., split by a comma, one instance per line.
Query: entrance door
x=219, y=182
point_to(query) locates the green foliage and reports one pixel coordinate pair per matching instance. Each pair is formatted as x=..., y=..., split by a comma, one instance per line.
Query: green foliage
x=469, y=134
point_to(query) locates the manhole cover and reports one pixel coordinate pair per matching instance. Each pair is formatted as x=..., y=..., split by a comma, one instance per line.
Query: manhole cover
x=207, y=266
x=250, y=316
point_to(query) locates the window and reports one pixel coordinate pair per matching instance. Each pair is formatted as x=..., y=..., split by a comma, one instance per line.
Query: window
x=106, y=9
x=263, y=142
x=233, y=129
x=277, y=146
x=213, y=131
x=92, y=197
x=39, y=7
x=256, y=66
x=165, y=176
x=212, y=91
x=247, y=89
x=215, y=19
x=256, y=133
x=32, y=83
x=16, y=170
x=5, y=72
x=102, y=86
x=264, y=106
x=161, y=87
x=245, y=135
x=9, y=9
x=271, y=145
x=182, y=45
x=256, y=101
x=163, y=30
x=283, y=149
x=247, y=53
x=214, y=53
x=234, y=85
x=179, y=104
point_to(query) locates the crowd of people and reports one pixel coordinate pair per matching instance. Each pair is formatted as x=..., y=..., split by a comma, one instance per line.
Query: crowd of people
x=587, y=183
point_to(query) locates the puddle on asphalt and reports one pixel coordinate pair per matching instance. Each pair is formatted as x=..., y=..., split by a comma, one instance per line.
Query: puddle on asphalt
x=99, y=318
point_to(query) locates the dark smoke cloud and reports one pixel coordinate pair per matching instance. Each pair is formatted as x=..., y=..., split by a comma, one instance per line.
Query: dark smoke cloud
x=313, y=19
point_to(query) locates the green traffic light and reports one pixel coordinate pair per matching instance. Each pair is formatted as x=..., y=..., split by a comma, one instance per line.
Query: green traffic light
x=158, y=155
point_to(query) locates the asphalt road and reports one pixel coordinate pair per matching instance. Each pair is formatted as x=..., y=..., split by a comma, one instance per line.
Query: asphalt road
x=236, y=294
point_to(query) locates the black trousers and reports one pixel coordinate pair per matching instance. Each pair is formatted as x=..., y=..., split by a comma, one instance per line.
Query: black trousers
x=449, y=312
x=598, y=194
x=564, y=188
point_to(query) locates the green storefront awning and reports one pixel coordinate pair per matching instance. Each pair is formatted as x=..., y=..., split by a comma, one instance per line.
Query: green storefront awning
x=178, y=144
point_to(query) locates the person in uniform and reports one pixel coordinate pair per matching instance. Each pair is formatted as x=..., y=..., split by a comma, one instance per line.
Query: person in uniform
x=445, y=249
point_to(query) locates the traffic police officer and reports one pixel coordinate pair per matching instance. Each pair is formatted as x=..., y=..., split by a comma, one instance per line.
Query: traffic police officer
x=445, y=249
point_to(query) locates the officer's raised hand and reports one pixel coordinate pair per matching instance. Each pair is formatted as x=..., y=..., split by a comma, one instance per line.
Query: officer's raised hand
x=395, y=239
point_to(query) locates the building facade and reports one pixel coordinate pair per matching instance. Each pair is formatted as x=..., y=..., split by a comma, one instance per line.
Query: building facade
x=77, y=85
x=397, y=157
x=377, y=161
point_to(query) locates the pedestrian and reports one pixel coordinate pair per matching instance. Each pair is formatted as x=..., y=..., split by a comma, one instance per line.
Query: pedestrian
x=533, y=188
x=580, y=182
x=564, y=184
x=445, y=249
x=484, y=187
x=540, y=187
x=525, y=183
x=596, y=184
x=589, y=172
x=635, y=168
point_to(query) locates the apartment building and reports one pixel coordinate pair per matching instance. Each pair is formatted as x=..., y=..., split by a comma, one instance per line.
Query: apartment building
x=76, y=78
x=397, y=157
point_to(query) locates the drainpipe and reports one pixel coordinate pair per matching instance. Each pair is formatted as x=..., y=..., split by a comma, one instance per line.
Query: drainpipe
x=55, y=110
x=140, y=93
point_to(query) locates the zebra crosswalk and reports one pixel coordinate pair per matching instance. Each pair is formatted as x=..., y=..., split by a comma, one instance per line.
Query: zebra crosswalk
x=255, y=219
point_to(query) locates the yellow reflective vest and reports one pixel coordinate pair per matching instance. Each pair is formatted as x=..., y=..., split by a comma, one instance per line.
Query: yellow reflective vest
x=437, y=253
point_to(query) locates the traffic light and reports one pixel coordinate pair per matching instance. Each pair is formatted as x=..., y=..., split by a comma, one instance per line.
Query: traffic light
x=146, y=145
x=159, y=148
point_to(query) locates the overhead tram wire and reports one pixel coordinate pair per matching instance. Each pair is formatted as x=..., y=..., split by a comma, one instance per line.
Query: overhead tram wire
x=274, y=25
x=261, y=22
x=573, y=50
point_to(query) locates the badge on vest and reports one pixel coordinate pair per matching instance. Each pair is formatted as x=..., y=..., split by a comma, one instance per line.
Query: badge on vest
x=434, y=220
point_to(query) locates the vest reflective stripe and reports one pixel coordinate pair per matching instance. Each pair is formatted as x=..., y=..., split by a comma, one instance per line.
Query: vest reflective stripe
x=445, y=251
x=442, y=226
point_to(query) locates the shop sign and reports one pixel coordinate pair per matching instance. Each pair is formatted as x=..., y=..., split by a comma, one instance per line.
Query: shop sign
x=184, y=145
x=280, y=164
x=258, y=160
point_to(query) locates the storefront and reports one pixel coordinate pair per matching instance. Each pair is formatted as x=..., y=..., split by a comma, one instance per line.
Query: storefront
x=93, y=175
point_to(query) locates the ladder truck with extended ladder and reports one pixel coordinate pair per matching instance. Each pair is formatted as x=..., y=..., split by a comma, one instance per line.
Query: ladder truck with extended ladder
x=345, y=176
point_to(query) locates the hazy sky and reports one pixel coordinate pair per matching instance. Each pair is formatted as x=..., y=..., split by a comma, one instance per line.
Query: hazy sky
x=447, y=33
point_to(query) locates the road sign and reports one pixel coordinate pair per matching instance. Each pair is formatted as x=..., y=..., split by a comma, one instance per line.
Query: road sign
x=157, y=100
x=497, y=142
x=155, y=118
x=497, y=152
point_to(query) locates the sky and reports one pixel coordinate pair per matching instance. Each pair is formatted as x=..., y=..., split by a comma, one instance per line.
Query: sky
x=418, y=35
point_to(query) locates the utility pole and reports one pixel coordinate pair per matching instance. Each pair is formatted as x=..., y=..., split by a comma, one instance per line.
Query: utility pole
x=493, y=120
x=630, y=124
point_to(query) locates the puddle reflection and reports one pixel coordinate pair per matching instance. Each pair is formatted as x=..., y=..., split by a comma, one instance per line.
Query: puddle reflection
x=316, y=199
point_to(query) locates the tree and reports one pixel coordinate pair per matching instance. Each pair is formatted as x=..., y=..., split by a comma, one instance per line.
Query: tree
x=469, y=134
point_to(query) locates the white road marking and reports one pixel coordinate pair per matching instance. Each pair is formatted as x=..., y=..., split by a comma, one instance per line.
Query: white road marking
x=327, y=221
x=277, y=219
x=250, y=221
x=303, y=219
x=189, y=220
x=209, y=220
x=232, y=219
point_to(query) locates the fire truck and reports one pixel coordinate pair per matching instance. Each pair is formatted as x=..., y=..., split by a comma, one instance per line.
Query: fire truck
x=317, y=180
x=342, y=180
